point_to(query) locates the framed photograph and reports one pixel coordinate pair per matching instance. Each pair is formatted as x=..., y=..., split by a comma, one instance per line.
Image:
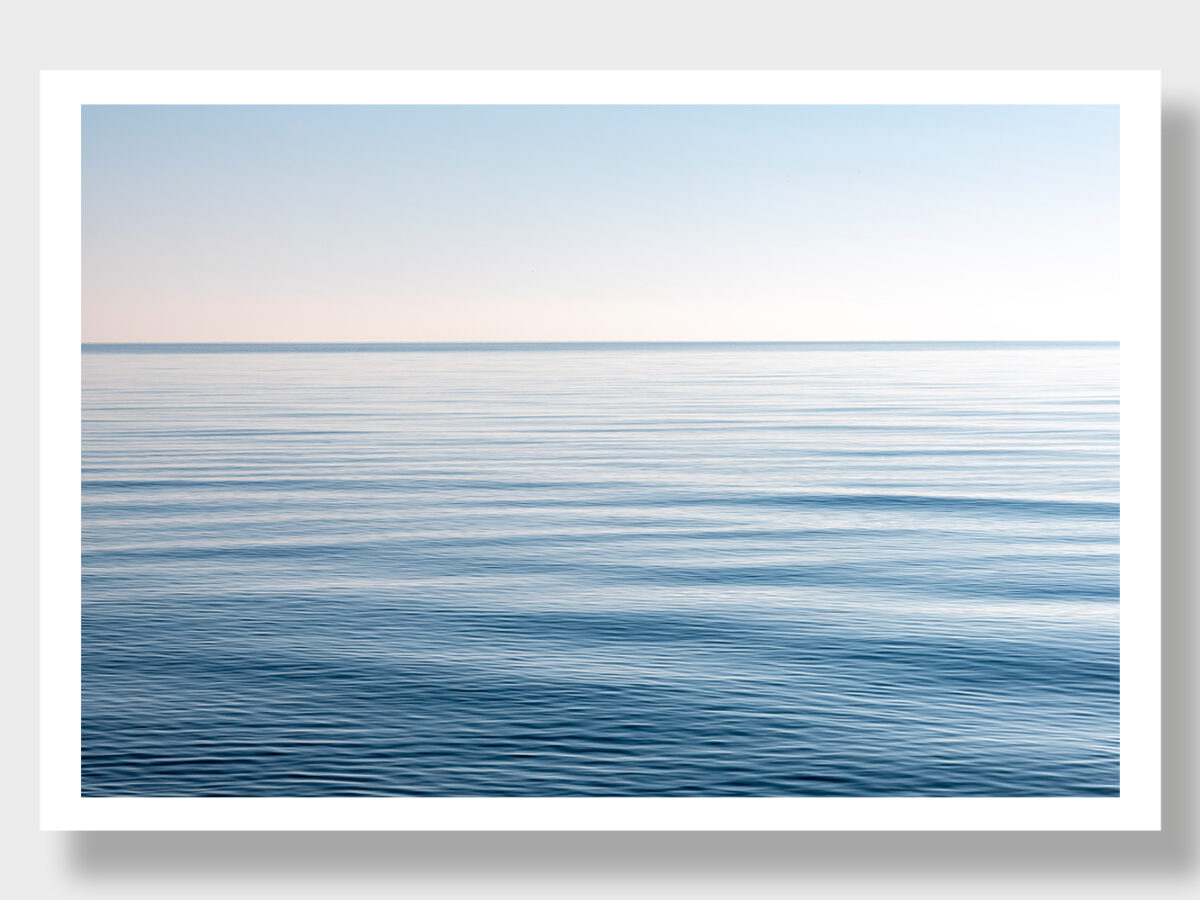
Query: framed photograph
x=600, y=450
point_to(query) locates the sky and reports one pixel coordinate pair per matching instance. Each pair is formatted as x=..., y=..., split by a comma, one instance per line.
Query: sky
x=599, y=223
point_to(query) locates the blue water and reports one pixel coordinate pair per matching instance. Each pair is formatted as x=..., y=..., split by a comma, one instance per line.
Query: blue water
x=779, y=569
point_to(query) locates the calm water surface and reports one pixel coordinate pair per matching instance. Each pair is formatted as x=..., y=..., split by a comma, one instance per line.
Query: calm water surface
x=601, y=570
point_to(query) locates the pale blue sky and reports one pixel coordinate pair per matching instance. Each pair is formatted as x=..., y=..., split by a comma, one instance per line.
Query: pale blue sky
x=478, y=223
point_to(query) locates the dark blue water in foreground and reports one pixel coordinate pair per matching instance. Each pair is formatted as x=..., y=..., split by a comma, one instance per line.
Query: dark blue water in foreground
x=776, y=569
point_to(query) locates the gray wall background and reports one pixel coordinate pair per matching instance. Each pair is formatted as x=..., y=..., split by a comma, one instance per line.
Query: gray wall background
x=637, y=34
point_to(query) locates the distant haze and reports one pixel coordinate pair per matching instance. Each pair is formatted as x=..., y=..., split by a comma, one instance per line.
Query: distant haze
x=599, y=223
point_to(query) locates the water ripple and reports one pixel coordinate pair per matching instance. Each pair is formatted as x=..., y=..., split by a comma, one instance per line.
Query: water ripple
x=851, y=570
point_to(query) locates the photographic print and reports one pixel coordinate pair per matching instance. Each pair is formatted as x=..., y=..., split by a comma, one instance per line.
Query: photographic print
x=522, y=449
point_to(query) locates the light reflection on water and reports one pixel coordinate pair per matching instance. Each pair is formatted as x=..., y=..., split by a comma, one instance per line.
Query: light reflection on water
x=726, y=570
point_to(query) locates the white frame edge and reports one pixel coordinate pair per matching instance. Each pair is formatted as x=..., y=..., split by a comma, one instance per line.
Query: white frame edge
x=62, y=807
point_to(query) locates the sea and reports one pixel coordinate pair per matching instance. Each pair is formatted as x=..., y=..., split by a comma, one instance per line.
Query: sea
x=792, y=569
